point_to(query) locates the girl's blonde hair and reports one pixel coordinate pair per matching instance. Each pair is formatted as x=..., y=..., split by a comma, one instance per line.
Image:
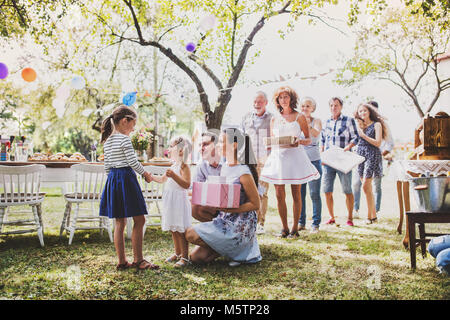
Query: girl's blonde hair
x=184, y=144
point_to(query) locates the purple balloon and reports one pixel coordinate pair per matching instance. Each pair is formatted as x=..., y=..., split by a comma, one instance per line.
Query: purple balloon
x=3, y=71
x=190, y=47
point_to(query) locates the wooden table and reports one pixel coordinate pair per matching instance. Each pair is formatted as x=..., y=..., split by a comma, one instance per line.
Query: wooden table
x=436, y=167
x=421, y=218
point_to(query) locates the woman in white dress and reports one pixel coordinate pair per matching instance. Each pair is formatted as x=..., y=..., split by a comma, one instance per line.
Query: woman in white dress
x=289, y=164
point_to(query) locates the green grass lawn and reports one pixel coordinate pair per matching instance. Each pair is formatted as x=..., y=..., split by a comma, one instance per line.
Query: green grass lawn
x=361, y=262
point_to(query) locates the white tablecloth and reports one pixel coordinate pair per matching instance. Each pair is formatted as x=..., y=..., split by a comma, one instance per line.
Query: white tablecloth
x=427, y=167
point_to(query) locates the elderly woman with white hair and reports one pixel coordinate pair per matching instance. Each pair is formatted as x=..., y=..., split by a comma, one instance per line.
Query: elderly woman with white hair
x=308, y=106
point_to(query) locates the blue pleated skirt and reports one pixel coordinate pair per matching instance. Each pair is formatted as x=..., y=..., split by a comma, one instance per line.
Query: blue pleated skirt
x=122, y=196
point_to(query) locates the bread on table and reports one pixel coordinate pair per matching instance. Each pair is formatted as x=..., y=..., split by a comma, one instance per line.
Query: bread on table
x=39, y=157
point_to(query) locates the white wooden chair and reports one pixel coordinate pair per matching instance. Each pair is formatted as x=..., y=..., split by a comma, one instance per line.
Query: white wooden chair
x=87, y=188
x=152, y=193
x=19, y=186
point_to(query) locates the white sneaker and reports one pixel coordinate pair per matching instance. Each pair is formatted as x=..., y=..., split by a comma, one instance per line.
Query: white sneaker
x=234, y=264
x=356, y=214
x=260, y=229
x=314, y=229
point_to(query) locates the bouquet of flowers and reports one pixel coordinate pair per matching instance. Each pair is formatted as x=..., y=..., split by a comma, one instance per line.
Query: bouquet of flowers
x=141, y=140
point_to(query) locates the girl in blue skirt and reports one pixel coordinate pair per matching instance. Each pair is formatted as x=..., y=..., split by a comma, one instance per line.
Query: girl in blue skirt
x=122, y=196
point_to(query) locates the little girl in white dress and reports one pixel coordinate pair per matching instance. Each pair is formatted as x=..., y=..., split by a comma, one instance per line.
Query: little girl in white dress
x=176, y=207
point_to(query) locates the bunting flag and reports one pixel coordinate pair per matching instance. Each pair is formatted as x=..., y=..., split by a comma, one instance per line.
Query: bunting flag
x=282, y=78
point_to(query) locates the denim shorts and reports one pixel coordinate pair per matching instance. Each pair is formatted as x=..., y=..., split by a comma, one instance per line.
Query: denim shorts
x=328, y=177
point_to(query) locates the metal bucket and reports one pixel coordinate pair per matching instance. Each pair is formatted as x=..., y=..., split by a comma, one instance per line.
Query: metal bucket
x=432, y=194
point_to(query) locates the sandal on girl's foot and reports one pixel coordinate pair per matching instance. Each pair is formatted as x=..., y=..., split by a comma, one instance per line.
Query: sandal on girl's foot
x=144, y=264
x=374, y=220
x=123, y=266
x=350, y=223
x=284, y=234
x=183, y=262
x=293, y=235
x=173, y=258
x=331, y=221
x=369, y=221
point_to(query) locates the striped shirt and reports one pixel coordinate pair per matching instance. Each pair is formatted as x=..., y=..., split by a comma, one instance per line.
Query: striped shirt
x=119, y=153
x=340, y=132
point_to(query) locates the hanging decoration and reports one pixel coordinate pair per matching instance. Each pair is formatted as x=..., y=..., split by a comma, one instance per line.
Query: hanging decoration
x=190, y=47
x=208, y=22
x=3, y=71
x=63, y=92
x=347, y=75
x=60, y=112
x=282, y=78
x=29, y=75
x=87, y=112
x=129, y=98
x=78, y=82
x=109, y=107
x=58, y=103
x=46, y=124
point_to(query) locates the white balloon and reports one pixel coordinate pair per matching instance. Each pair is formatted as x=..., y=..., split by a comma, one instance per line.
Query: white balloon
x=78, y=82
x=87, y=112
x=347, y=75
x=63, y=92
x=208, y=22
x=46, y=124
x=58, y=103
x=109, y=107
x=60, y=113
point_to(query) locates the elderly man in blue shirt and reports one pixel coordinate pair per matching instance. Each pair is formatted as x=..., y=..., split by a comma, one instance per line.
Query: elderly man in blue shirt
x=341, y=131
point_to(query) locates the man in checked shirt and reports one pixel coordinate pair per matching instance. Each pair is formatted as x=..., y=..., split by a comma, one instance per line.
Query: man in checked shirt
x=340, y=130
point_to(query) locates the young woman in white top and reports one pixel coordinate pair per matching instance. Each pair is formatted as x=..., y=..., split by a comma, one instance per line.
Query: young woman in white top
x=289, y=164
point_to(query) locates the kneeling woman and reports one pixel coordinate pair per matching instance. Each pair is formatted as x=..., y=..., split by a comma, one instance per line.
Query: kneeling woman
x=232, y=233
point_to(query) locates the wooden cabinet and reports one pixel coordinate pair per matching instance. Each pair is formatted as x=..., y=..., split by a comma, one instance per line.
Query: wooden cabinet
x=432, y=139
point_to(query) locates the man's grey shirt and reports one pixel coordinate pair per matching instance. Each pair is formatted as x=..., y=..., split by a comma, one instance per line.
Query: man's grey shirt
x=257, y=127
x=204, y=169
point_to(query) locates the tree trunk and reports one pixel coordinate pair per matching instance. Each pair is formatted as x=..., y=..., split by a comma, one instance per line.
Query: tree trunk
x=214, y=119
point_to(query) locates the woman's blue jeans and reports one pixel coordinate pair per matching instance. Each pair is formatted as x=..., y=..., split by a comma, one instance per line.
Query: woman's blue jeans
x=314, y=192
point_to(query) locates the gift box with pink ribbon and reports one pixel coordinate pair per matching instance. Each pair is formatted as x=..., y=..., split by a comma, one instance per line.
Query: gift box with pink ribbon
x=216, y=192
